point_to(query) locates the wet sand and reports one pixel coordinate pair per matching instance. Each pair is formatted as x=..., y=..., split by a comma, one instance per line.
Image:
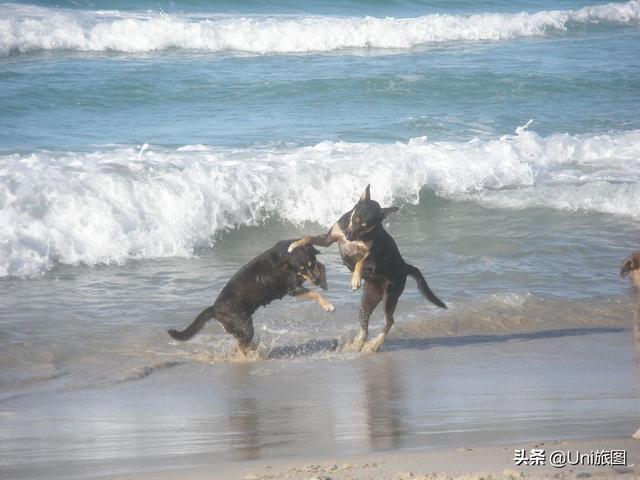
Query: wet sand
x=463, y=463
x=424, y=394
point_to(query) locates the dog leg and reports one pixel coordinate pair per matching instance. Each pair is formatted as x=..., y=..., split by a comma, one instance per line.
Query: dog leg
x=305, y=240
x=245, y=349
x=358, y=342
x=391, y=301
x=371, y=296
x=320, y=240
x=356, y=278
x=241, y=327
x=316, y=297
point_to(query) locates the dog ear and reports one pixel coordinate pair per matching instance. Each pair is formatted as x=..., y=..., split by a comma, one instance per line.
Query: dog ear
x=626, y=268
x=366, y=195
x=387, y=211
x=632, y=262
x=316, y=251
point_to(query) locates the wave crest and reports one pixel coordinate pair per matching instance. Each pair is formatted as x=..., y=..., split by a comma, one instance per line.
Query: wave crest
x=109, y=206
x=26, y=29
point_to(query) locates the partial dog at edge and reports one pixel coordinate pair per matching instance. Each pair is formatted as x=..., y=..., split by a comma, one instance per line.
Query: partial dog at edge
x=270, y=276
x=631, y=265
x=371, y=254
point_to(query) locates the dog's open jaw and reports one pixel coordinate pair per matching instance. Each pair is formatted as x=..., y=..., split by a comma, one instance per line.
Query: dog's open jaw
x=362, y=239
x=374, y=216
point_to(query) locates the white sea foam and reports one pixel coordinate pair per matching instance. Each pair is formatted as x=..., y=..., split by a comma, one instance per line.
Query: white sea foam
x=28, y=28
x=121, y=203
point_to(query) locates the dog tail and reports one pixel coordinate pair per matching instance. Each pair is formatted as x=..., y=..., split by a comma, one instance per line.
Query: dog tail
x=423, y=287
x=206, y=315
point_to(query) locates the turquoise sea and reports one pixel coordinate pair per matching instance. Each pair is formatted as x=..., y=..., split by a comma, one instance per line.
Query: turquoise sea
x=148, y=149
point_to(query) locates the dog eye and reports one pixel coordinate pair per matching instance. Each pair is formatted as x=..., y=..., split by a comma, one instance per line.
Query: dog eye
x=301, y=267
x=309, y=263
x=364, y=225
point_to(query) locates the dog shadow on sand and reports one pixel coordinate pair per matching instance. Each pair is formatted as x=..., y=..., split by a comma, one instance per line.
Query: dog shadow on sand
x=316, y=347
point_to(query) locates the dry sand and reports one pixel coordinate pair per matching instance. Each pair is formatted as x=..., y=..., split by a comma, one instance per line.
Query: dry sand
x=468, y=463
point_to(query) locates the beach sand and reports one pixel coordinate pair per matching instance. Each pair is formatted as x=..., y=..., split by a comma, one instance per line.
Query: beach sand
x=469, y=463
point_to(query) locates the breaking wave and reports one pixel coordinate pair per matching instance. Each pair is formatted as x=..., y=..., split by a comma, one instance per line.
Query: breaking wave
x=29, y=28
x=120, y=203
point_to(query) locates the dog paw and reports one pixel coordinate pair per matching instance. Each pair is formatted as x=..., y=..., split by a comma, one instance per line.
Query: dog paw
x=293, y=246
x=328, y=307
x=357, y=343
x=355, y=284
x=299, y=243
x=374, y=345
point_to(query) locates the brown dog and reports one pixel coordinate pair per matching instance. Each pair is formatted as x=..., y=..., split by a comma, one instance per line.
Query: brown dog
x=631, y=265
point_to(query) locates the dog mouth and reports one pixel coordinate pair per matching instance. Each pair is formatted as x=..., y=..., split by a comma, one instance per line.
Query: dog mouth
x=357, y=231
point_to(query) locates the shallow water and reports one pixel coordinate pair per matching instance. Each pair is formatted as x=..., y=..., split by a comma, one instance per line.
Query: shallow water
x=498, y=271
x=90, y=375
x=429, y=393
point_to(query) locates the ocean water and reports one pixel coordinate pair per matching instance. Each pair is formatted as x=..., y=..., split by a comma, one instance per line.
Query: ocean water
x=148, y=149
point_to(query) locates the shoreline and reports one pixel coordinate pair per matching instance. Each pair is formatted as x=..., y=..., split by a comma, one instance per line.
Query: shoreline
x=450, y=409
x=465, y=462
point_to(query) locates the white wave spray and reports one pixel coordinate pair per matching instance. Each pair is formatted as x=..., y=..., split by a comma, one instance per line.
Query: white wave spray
x=28, y=28
x=112, y=205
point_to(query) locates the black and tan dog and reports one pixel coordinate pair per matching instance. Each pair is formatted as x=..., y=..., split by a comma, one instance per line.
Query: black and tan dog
x=371, y=254
x=270, y=276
